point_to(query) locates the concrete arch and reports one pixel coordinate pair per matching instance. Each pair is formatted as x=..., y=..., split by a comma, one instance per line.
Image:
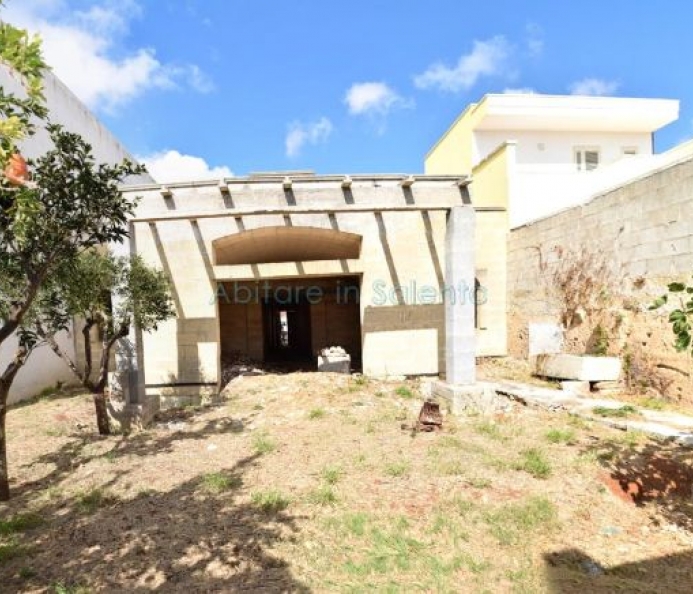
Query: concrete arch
x=286, y=244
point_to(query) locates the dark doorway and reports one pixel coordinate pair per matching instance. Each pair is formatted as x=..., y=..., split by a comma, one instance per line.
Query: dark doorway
x=287, y=329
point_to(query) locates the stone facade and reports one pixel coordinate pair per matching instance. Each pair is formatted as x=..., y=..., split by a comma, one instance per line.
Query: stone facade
x=400, y=269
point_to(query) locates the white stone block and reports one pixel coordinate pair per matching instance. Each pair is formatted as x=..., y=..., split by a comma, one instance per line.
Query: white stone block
x=545, y=338
x=577, y=367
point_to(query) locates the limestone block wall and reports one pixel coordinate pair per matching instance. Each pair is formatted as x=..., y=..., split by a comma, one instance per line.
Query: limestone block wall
x=643, y=231
x=401, y=266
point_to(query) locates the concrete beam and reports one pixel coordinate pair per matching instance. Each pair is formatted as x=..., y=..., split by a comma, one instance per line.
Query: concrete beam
x=321, y=210
x=460, y=333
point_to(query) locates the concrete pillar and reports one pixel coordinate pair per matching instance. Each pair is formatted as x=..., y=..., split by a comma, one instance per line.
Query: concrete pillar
x=460, y=333
x=127, y=379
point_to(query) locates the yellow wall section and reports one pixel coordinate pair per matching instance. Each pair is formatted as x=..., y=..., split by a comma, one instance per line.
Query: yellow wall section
x=453, y=153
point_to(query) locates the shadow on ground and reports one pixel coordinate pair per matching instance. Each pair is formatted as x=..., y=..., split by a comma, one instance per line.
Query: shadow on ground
x=188, y=539
x=658, y=473
x=66, y=458
x=572, y=571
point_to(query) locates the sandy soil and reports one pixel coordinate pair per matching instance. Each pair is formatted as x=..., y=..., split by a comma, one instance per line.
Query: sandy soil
x=308, y=482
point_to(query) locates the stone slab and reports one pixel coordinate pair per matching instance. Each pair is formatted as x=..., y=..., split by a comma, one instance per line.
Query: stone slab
x=576, y=387
x=480, y=398
x=577, y=367
x=667, y=425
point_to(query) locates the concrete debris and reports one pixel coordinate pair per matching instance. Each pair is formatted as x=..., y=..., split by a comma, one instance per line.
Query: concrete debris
x=333, y=351
x=334, y=359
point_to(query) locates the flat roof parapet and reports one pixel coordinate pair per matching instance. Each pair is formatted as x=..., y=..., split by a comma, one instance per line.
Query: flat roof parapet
x=227, y=183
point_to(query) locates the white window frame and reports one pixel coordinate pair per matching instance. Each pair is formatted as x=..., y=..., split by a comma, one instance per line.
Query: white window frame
x=579, y=157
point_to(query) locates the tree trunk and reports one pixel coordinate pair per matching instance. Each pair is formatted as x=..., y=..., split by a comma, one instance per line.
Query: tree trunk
x=102, y=421
x=4, y=470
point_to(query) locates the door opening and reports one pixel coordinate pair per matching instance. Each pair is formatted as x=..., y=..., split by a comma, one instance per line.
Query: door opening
x=287, y=331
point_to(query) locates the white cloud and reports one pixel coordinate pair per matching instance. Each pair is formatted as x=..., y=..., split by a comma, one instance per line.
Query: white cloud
x=487, y=58
x=594, y=86
x=79, y=46
x=520, y=91
x=172, y=166
x=300, y=134
x=373, y=98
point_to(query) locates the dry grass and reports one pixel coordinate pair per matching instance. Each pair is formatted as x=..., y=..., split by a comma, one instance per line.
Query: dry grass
x=262, y=494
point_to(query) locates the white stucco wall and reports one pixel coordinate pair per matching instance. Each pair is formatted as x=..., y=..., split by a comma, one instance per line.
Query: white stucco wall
x=44, y=368
x=546, y=179
x=553, y=148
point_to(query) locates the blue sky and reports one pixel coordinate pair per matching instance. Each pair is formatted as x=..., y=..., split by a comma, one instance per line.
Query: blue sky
x=357, y=86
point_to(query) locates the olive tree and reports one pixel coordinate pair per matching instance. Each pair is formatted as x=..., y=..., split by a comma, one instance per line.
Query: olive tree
x=107, y=294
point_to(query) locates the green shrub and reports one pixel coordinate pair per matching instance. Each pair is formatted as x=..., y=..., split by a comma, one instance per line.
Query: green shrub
x=270, y=501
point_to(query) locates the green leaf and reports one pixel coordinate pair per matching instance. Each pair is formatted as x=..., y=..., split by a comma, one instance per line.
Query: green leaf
x=676, y=315
x=657, y=303
x=676, y=287
x=683, y=341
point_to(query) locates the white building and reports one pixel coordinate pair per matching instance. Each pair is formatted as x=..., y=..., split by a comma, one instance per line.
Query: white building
x=44, y=368
x=558, y=150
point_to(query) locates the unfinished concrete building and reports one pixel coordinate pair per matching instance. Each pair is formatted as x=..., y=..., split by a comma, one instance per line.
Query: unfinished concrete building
x=401, y=271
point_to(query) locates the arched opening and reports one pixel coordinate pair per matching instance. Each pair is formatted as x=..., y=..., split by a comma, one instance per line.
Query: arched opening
x=285, y=244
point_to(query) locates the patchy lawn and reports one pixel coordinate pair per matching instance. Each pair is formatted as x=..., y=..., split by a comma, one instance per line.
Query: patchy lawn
x=308, y=482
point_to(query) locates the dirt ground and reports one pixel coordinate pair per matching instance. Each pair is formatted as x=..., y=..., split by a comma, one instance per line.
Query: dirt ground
x=308, y=483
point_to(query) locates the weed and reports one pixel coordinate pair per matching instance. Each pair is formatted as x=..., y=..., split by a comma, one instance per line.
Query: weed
x=388, y=550
x=479, y=483
x=632, y=438
x=397, y=468
x=356, y=523
x=331, y=474
x=258, y=407
x=652, y=403
x=379, y=394
x=534, y=462
x=360, y=459
x=110, y=456
x=623, y=411
x=490, y=430
x=599, y=342
x=263, y=443
x=462, y=506
x=512, y=523
x=20, y=523
x=11, y=549
x=360, y=380
x=450, y=441
x=560, y=436
x=404, y=392
x=90, y=501
x=440, y=522
x=578, y=422
x=451, y=468
x=324, y=495
x=217, y=482
x=270, y=501
x=62, y=588
x=316, y=413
